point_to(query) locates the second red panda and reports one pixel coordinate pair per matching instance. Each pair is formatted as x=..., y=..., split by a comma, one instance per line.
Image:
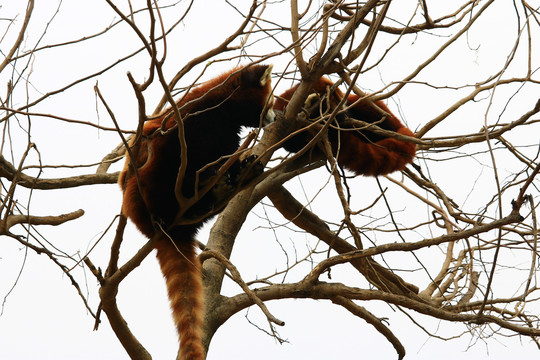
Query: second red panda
x=357, y=149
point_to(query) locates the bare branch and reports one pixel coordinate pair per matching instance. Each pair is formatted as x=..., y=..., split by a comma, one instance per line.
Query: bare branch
x=20, y=38
x=13, y=220
x=372, y=320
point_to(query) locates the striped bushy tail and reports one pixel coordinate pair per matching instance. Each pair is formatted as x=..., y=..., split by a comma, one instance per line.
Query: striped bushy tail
x=372, y=154
x=375, y=158
x=182, y=273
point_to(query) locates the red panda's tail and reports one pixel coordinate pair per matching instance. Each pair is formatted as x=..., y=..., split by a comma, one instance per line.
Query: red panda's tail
x=375, y=155
x=182, y=272
x=375, y=158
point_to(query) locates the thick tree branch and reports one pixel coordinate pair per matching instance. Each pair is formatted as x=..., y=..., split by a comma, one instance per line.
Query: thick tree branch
x=9, y=172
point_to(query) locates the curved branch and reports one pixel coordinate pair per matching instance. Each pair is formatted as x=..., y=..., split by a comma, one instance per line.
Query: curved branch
x=20, y=38
x=372, y=320
x=42, y=220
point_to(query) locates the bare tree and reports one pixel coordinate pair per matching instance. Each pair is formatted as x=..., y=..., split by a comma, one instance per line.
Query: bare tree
x=453, y=237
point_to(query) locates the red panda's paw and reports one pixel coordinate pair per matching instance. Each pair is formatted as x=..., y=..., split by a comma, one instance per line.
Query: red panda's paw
x=242, y=172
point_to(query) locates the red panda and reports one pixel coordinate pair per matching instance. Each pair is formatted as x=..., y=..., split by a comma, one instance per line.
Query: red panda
x=360, y=151
x=212, y=114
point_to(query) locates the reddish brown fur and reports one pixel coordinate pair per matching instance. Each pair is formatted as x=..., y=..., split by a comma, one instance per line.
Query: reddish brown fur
x=359, y=151
x=182, y=273
x=380, y=157
x=213, y=115
x=212, y=142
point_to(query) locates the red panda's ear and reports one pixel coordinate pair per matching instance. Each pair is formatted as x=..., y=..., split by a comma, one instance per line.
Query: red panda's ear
x=266, y=76
x=256, y=76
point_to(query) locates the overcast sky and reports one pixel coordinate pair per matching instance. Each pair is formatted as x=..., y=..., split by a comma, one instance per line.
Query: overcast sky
x=43, y=318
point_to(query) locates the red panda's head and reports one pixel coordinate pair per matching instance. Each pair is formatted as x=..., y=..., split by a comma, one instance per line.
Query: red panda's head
x=254, y=84
x=242, y=95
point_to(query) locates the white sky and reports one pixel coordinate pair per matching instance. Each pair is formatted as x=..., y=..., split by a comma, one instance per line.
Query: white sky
x=43, y=318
